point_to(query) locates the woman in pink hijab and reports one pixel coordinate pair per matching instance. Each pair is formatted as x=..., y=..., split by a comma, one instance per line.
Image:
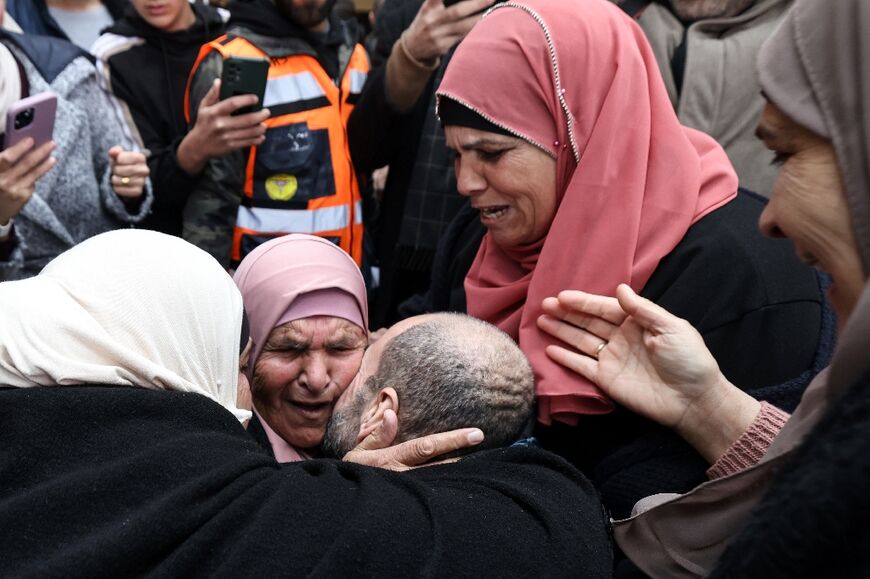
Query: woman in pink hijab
x=570, y=149
x=306, y=303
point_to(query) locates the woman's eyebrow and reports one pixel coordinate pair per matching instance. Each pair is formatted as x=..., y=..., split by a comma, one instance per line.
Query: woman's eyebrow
x=346, y=339
x=285, y=341
x=483, y=142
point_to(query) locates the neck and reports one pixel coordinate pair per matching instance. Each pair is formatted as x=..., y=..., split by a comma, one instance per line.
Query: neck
x=185, y=22
x=74, y=5
x=321, y=27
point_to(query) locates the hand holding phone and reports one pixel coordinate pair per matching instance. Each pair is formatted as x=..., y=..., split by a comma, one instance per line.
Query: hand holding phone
x=31, y=117
x=218, y=132
x=21, y=166
x=27, y=148
x=439, y=25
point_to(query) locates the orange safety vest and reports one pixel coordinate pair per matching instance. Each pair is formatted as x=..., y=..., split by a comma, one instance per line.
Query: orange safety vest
x=301, y=178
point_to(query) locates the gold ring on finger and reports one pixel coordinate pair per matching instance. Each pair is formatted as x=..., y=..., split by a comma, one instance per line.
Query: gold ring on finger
x=125, y=180
x=600, y=347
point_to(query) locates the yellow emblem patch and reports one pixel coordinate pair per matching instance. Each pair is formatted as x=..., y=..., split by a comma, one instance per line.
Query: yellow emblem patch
x=281, y=187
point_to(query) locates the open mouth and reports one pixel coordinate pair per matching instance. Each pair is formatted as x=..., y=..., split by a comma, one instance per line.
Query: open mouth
x=312, y=410
x=494, y=212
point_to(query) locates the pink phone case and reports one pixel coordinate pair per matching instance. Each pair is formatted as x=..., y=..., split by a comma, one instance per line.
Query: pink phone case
x=31, y=117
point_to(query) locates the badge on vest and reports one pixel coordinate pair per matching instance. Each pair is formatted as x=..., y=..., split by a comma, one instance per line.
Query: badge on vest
x=292, y=166
x=281, y=187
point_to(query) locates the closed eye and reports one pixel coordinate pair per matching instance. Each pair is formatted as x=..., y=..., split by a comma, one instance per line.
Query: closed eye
x=491, y=155
x=779, y=158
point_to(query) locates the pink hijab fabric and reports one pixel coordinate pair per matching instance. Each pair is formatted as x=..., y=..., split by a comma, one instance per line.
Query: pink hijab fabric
x=577, y=79
x=283, y=270
x=292, y=277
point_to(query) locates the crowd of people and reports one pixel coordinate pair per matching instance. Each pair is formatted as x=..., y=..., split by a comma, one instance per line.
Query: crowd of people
x=474, y=288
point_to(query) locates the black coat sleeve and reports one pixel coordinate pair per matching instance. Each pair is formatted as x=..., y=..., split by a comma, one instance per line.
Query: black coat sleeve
x=373, y=131
x=168, y=484
x=171, y=183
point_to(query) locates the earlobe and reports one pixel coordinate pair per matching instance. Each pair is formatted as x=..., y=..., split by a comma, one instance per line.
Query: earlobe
x=386, y=399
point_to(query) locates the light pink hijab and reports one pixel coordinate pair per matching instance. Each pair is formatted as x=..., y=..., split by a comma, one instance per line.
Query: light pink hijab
x=281, y=271
x=293, y=277
x=577, y=79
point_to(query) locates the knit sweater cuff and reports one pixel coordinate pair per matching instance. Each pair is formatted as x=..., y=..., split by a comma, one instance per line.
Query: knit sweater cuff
x=751, y=446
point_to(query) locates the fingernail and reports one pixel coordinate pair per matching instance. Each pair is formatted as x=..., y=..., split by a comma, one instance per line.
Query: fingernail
x=475, y=436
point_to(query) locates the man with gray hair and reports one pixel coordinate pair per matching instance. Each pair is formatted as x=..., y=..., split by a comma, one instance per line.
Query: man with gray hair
x=437, y=372
x=706, y=51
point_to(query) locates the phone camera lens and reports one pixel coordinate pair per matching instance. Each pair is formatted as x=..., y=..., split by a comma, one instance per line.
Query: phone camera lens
x=23, y=119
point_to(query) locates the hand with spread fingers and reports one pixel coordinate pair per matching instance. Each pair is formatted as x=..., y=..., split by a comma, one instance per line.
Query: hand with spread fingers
x=21, y=166
x=651, y=362
x=375, y=449
x=129, y=172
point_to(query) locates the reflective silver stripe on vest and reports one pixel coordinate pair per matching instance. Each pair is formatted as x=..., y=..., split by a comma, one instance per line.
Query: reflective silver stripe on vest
x=291, y=88
x=357, y=213
x=294, y=220
x=357, y=80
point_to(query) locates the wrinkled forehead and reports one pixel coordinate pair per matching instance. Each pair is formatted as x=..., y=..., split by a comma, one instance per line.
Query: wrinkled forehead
x=318, y=330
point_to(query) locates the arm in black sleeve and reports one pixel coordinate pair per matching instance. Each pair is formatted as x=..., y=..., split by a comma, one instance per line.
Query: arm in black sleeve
x=172, y=184
x=515, y=512
x=374, y=134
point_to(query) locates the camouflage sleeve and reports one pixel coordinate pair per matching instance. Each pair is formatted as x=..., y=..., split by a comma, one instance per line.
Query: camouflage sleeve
x=210, y=212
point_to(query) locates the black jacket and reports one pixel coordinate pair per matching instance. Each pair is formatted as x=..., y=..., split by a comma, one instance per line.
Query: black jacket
x=100, y=481
x=151, y=77
x=759, y=309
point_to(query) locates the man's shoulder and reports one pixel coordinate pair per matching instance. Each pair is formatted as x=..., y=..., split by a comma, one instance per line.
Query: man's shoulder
x=109, y=45
x=523, y=460
x=49, y=56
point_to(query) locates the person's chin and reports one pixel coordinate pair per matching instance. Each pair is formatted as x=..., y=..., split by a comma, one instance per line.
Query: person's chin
x=303, y=437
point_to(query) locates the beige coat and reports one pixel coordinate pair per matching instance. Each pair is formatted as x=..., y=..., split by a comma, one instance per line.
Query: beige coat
x=720, y=93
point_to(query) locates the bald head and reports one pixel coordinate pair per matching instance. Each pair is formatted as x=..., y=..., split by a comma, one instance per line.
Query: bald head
x=448, y=371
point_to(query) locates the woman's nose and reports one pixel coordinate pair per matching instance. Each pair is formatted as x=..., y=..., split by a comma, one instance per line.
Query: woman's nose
x=767, y=222
x=315, y=374
x=468, y=179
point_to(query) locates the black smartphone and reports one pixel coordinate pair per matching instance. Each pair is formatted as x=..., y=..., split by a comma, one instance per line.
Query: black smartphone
x=242, y=75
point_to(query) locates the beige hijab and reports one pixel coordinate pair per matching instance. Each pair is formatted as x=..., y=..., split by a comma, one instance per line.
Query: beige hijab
x=126, y=308
x=816, y=69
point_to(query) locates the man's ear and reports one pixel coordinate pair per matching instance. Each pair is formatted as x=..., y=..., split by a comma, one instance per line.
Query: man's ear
x=386, y=399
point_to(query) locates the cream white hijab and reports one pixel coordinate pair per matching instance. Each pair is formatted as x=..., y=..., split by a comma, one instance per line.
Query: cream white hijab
x=127, y=308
